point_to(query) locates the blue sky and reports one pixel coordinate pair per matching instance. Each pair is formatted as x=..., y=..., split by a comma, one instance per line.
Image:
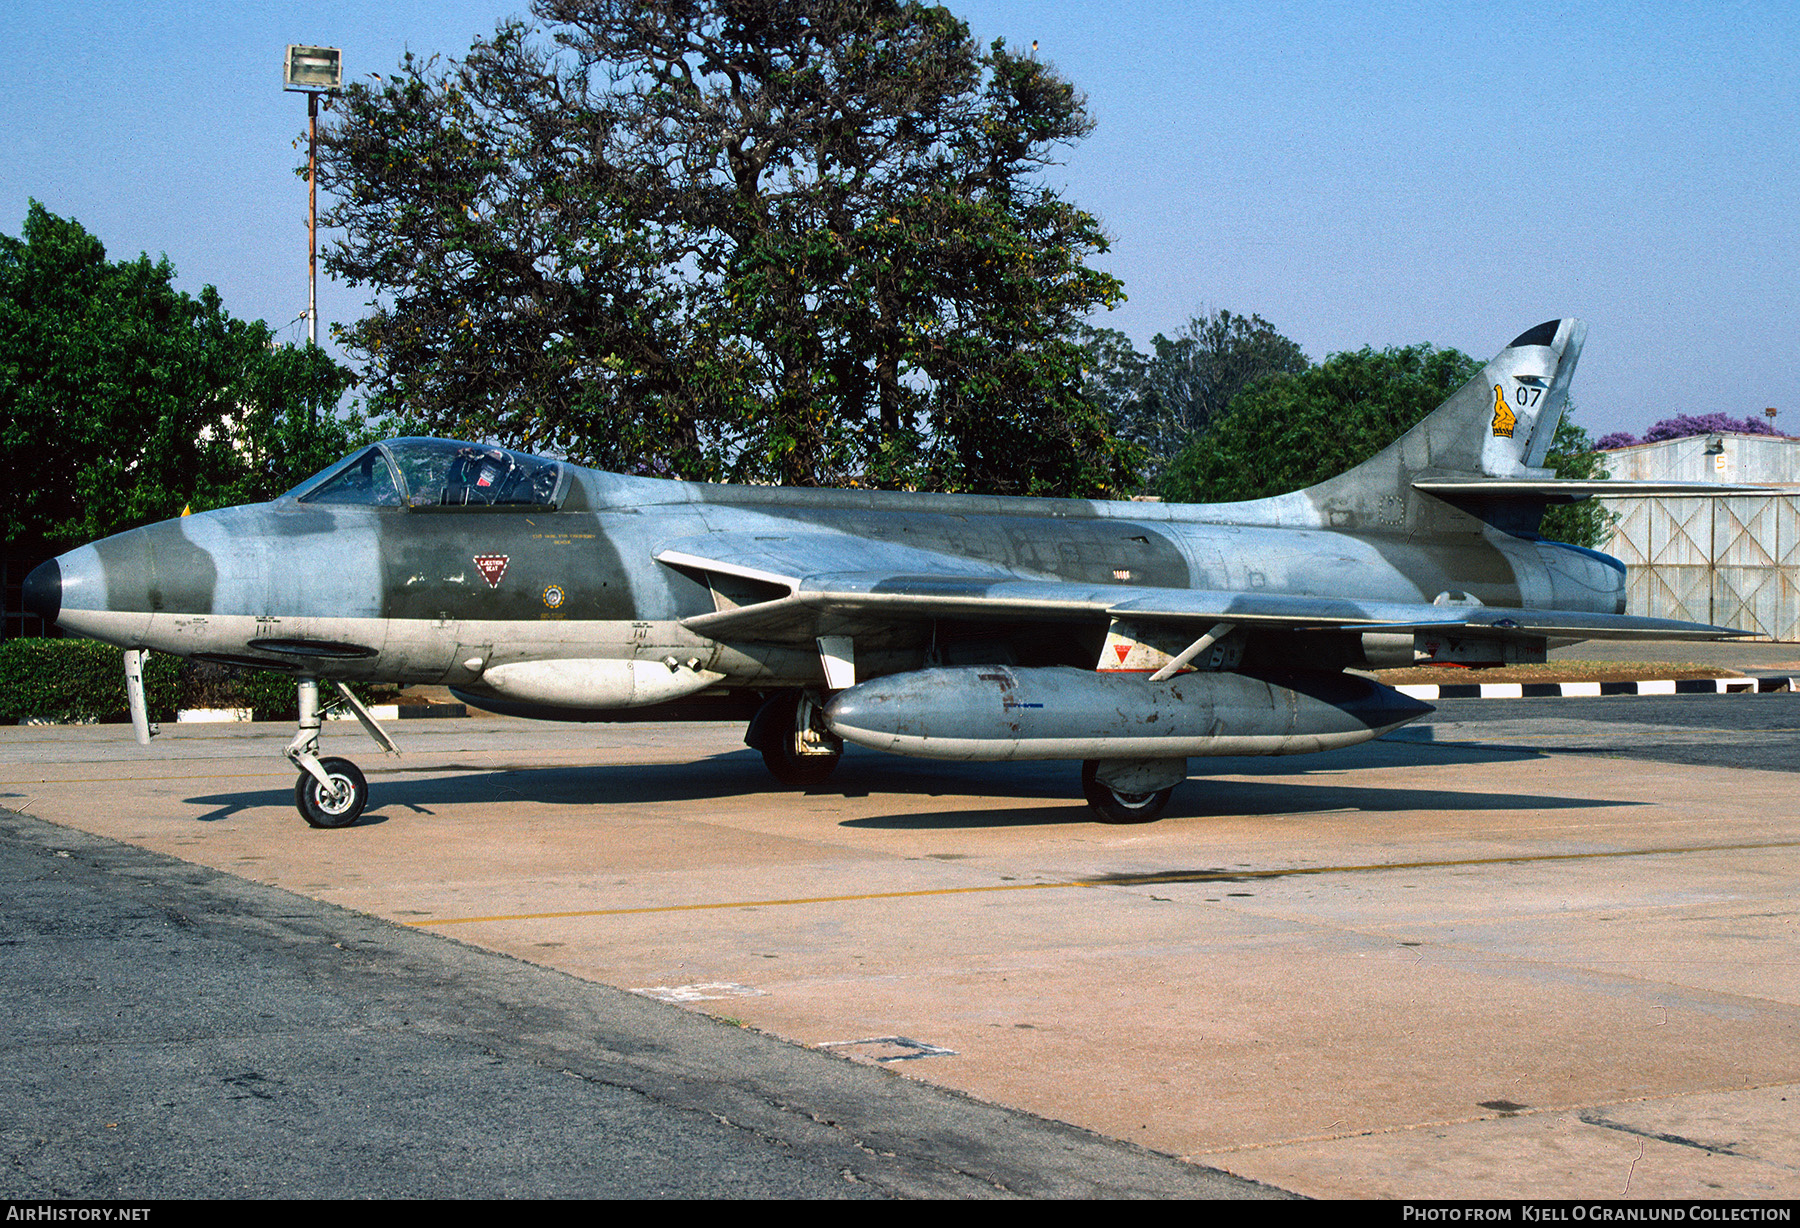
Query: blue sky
x=1358, y=174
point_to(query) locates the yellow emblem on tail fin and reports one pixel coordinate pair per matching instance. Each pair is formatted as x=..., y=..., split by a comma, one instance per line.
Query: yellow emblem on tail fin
x=1503, y=415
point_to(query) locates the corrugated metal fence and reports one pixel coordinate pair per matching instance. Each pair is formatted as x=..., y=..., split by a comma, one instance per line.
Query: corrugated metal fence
x=1732, y=560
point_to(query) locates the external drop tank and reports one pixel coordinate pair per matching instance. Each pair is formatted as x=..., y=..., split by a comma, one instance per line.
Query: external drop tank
x=993, y=712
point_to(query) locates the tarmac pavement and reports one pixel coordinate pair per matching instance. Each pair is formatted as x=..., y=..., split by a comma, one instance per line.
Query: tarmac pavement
x=176, y=1032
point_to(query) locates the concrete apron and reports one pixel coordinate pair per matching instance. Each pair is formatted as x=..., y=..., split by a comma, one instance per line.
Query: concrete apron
x=1403, y=970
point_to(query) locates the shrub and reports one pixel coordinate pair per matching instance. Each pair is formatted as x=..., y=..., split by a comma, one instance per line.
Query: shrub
x=268, y=693
x=75, y=681
x=72, y=681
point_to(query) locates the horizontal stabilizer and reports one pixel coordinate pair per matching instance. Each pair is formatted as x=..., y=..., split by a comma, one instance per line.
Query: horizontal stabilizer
x=1572, y=490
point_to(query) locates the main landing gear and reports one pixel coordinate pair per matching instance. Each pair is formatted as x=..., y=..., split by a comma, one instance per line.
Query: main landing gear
x=796, y=747
x=1128, y=791
x=330, y=792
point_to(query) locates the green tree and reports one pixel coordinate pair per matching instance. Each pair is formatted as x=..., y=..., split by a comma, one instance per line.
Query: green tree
x=1292, y=431
x=754, y=239
x=1161, y=401
x=123, y=399
x=1572, y=455
x=1114, y=374
x=1193, y=377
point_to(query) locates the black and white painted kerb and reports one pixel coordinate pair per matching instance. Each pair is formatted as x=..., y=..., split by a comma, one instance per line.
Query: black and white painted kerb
x=1553, y=690
x=381, y=712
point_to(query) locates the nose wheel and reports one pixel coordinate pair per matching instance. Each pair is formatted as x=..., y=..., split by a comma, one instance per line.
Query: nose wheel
x=340, y=806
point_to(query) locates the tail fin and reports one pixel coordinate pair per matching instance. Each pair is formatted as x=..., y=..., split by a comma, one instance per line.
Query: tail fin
x=1498, y=425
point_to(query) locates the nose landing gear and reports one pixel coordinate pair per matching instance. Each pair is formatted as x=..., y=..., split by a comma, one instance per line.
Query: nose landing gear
x=330, y=792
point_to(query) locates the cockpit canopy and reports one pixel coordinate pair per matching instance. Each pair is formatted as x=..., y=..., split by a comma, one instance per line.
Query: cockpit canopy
x=420, y=473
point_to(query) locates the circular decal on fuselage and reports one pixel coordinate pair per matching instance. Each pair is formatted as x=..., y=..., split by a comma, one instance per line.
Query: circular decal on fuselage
x=553, y=596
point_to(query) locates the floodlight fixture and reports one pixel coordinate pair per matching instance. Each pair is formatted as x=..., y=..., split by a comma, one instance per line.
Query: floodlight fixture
x=313, y=69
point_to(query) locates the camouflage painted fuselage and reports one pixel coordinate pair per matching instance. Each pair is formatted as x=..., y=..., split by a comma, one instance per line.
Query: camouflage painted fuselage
x=401, y=594
x=1130, y=636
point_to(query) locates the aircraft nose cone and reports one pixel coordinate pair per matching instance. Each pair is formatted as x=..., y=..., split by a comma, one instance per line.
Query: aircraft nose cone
x=44, y=590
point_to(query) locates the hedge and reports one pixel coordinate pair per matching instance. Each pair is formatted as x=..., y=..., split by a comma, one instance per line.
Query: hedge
x=268, y=693
x=71, y=681
x=78, y=681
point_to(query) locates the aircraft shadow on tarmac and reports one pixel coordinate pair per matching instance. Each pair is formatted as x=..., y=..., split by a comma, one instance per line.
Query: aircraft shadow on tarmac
x=1283, y=786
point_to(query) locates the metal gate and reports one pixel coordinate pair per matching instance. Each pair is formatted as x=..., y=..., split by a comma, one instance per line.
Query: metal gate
x=1728, y=559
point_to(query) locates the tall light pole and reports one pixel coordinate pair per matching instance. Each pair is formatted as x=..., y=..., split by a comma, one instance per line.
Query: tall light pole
x=312, y=71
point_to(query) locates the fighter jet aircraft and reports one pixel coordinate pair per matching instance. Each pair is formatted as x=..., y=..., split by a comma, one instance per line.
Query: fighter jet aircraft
x=1129, y=636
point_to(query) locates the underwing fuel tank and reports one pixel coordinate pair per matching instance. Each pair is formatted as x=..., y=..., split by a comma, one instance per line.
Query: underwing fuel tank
x=997, y=713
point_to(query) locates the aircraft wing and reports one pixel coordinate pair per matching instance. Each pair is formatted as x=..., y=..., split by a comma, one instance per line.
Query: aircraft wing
x=891, y=582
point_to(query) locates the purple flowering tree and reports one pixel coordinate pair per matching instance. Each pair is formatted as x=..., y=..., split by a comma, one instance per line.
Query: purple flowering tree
x=1681, y=426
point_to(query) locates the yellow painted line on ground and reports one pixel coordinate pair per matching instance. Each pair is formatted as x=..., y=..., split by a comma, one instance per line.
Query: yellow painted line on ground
x=1122, y=880
x=106, y=780
x=817, y=899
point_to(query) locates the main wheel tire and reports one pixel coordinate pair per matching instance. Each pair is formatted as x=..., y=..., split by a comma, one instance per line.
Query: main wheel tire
x=774, y=733
x=320, y=808
x=1115, y=807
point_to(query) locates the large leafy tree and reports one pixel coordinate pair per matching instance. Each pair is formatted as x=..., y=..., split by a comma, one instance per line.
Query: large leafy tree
x=1287, y=432
x=803, y=242
x=1193, y=376
x=123, y=399
x=1573, y=455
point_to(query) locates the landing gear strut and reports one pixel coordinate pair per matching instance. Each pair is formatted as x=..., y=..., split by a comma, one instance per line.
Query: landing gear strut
x=330, y=792
x=796, y=747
